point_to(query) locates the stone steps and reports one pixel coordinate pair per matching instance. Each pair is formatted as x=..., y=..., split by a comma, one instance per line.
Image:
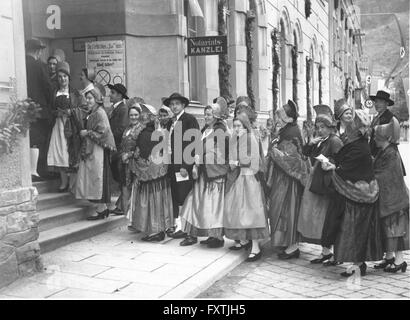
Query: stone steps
x=63, y=218
x=58, y=237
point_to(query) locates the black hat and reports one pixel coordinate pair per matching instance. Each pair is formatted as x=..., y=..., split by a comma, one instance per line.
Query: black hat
x=384, y=96
x=119, y=88
x=324, y=114
x=291, y=109
x=34, y=44
x=176, y=96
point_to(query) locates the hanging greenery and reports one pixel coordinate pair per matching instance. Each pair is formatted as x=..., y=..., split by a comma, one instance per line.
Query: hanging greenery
x=320, y=84
x=224, y=66
x=308, y=8
x=16, y=122
x=308, y=80
x=275, y=68
x=294, y=53
x=249, y=28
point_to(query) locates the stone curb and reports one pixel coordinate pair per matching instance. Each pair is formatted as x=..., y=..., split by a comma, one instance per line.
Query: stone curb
x=201, y=281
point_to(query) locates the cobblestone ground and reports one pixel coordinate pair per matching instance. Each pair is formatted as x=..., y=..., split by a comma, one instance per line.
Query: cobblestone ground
x=271, y=278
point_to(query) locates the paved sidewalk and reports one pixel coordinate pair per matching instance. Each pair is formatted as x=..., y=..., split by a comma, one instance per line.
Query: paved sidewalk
x=271, y=278
x=117, y=265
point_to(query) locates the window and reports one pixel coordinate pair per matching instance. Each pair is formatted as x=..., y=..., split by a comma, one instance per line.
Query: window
x=263, y=46
x=240, y=30
x=211, y=15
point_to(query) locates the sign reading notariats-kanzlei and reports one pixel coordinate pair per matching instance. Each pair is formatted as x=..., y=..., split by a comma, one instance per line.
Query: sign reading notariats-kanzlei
x=205, y=46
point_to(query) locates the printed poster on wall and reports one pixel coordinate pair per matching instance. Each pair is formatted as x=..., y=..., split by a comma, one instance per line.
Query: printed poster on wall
x=106, y=59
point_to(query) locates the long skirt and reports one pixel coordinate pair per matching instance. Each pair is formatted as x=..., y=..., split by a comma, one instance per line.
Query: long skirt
x=57, y=156
x=93, y=177
x=245, y=216
x=284, y=205
x=151, y=206
x=333, y=220
x=395, y=228
x=359, y=237
x=202, y=212
x=312, y=214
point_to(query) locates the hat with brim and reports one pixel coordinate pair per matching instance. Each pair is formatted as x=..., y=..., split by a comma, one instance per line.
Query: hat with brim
x=176, y=96
x=383, y=95
x=341, y=107
x=291, y=110
x=324, y=114
x=63, y=67
x=34, y=44
x=119, y=88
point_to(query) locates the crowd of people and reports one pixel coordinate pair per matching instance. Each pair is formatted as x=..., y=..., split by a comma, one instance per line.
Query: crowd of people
x=338, y=184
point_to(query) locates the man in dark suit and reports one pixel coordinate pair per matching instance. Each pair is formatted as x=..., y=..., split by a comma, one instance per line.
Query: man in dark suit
x=179, y=169
x=384, y=116
x=39, y=89
x=118, y=123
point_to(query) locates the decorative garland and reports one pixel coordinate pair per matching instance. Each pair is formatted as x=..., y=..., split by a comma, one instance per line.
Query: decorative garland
x=308, y=8
x=17, y=122
x=224, y=66
x=275, y=68
x=320, y=84
x=294, y=53
x=308, y=79
x=249, y=28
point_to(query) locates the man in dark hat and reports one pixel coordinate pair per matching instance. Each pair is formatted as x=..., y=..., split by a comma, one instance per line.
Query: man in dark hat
x=39, y=89
x=179, y=170
x=384, y=116
x=118, y=122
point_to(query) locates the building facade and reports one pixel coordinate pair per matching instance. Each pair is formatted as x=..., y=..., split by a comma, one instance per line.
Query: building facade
x=303, y=50
x=283, y=39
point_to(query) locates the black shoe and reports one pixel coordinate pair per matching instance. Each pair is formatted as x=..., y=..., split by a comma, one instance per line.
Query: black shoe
x=117, y=212
x=331, y=263
x=394, y=268
x=188, y=241
x=384, y=263
x=100, y=215
x=132, y=229
x=179, y=235
x=64, y=189
x=206, y=241
x=170, y=231
x=241, y=246
x=254, y=256
x=216, y=243
x=362, y=269
x=322, y=259
x=287, y=256
x=155, y=237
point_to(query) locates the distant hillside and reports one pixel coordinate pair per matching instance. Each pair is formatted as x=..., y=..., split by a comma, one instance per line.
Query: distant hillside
x=382, y=40
x=382, y=44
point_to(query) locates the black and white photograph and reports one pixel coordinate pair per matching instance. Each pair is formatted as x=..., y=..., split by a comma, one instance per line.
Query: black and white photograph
x=204, y=151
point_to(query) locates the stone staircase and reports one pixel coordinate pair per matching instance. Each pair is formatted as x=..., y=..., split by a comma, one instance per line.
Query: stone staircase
x=63, y=218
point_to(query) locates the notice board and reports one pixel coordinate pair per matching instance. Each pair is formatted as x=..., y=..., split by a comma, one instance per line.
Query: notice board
x=106, y=59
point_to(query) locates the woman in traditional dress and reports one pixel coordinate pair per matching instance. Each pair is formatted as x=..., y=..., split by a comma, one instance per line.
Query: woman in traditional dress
x=203, y=209
x=316, y=197
x=65, y=99
x=98, y=141
x=354, y=209
x=151, y=209
x=127, y=148
x=245, y=216
x=287, y=175
x=393, y=198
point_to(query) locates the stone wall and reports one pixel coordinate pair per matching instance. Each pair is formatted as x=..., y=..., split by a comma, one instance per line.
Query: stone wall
x=19, y=247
